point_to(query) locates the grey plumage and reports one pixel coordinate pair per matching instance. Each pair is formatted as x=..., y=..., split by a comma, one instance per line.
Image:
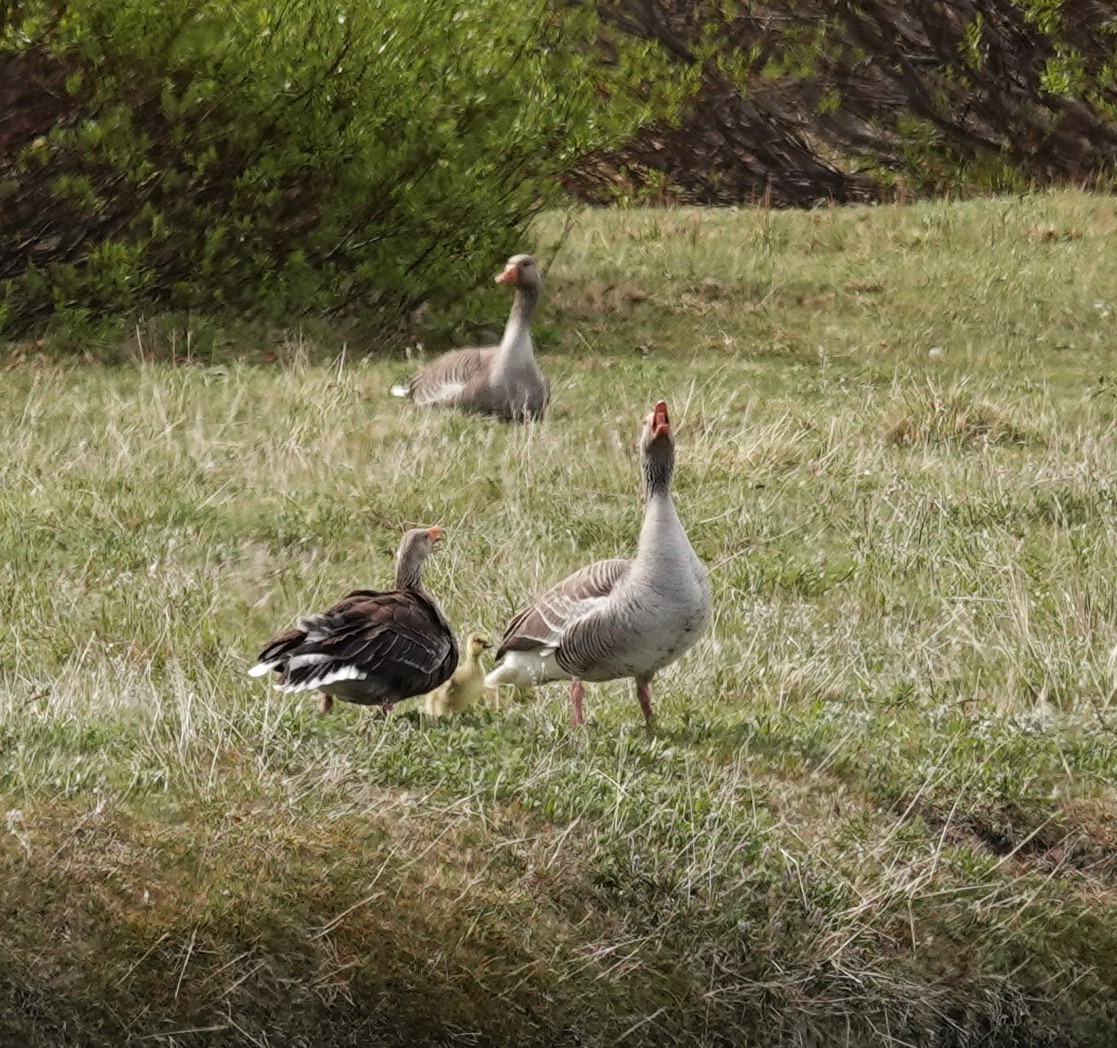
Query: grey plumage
x=502, y=380
x=546, y=624
x=618, y=618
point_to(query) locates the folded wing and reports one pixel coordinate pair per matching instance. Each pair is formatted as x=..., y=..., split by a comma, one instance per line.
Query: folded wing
x=543, y=624
x=444, y=380
x=396, y=641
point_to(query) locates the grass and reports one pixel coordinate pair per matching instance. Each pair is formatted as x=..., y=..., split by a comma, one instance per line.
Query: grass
x=881, y=807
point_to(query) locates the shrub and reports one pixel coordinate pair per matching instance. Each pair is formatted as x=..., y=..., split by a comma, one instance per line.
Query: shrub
x=275, y=159
x=802, y=101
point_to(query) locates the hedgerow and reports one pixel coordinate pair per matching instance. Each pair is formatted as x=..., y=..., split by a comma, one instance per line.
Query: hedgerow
x=281, y=159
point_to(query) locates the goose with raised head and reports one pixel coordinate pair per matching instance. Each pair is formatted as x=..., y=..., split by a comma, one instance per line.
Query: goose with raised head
x=372, y=647
x=618, y=618
x=502, y=380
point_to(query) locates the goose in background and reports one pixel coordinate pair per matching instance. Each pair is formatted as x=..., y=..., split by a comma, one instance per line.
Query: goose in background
x=465, y=687
x=618, y=618
x=502, y=380
x=371, y=647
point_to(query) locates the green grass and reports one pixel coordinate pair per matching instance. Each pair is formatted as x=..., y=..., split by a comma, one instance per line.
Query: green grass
x=881, y=807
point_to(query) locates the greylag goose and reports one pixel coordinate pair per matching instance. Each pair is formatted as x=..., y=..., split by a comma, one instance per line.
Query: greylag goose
x=465, y=687
x=618, y=618
x=371, y=647
x=502, y=380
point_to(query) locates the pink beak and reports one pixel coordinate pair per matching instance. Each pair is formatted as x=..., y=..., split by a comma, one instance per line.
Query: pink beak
x=435, y=532
x=511, y=275
x=661, y=424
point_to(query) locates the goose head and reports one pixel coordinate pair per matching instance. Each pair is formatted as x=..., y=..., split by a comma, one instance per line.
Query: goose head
x=657, y=451
x=416, y=545
x=522, y=272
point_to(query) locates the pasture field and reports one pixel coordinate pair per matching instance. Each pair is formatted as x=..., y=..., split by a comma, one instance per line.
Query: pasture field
x=880, y=809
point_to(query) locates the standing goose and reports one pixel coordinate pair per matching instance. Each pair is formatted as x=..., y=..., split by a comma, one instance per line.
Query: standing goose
x=618, y=618
x=501, y=380
x=370, y=648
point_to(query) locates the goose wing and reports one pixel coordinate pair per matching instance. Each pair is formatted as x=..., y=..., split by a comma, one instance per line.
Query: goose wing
x=445, y=379
x=543, y=624
x=397, y=638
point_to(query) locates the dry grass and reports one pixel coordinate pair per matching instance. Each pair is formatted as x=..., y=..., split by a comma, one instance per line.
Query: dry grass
x=930, y=414
x=881, y=810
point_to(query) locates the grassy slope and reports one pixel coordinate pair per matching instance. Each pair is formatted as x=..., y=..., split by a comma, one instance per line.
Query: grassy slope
x=881, y=809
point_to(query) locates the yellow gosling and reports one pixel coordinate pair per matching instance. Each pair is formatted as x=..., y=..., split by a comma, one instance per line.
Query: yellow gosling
x=465, y=687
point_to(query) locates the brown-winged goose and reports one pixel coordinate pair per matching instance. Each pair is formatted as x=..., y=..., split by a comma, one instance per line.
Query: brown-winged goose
x=502, y=380
x=371, y=647
x=465, y=687
x=618, y=618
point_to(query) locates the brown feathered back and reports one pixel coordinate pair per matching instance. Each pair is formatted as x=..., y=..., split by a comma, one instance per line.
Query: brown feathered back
x=371, y=647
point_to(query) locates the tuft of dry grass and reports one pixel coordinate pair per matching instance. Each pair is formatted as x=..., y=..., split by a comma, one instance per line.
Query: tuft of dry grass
x=931, y=414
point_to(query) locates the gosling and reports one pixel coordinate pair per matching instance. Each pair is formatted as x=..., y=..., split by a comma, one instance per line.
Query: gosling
x=465, y=687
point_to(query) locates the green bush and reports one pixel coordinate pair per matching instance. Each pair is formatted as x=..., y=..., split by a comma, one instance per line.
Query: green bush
x=285, y=158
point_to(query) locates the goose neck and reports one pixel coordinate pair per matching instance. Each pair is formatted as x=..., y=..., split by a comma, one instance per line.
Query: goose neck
x=409, y=572
x=656, y=472
x=661, y=527
x=516, y=341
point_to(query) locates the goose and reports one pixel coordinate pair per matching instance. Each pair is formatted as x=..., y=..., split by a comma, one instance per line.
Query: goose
x=502, y=380
x=618, y=618
x=465, y=687
x=370, y=647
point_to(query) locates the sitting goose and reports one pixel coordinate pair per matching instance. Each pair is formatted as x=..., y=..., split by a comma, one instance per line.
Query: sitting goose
x=501, y=380
x=618, y=618
x=465, y=687
x=370, y=647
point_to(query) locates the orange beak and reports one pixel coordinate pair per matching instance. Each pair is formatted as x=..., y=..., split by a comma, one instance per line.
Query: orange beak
x=435, y=533
x=511, y=275
x=661, y=424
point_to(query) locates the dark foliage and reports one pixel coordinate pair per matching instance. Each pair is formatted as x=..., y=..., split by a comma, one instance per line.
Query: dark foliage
x=802, y=101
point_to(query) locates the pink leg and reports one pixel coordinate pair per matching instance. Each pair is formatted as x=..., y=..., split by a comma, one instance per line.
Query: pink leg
x=577, y=693
x=644, y=694
x=325, y=704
